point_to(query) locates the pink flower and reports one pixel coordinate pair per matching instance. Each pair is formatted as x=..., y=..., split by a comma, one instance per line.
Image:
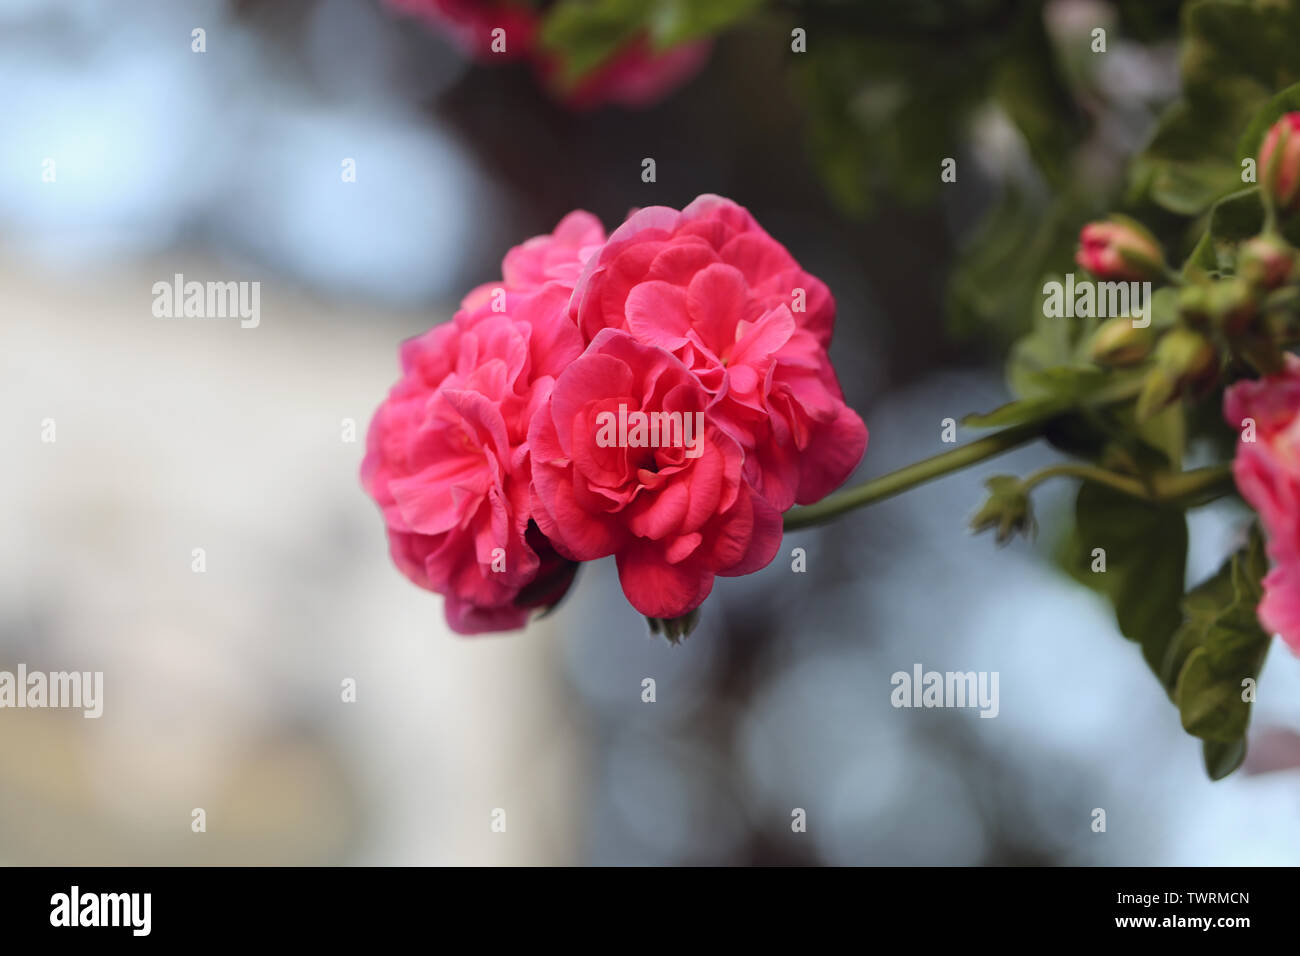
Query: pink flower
x=555, y=257
x=674, y=513
x=446, y=456
x=634, y=76
x=1267, y=471
x=710, y=286
x=1279, y=161
x=1119, y=249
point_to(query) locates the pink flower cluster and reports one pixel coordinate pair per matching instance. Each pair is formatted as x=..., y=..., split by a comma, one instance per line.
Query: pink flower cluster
x=635, y=76
x=488, y=457
x=1267, y=471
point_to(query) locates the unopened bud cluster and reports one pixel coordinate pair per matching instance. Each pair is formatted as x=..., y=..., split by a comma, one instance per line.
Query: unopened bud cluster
x=1250, y=313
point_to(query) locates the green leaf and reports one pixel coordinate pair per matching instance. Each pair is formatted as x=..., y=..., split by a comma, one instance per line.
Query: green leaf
x=1237, y=217
x=1233, y=219
x=1145, y=552
x=999, y=266
x=1018, y=412
x=1203, y=651
x=680, y=21
x=1053, y=359
x=1187, y=187
x=586, y=34
x=1218, y=647
x=1235, y=55
x=1221, y=758
x=1164, y=308
x=1166, y=433
x=876, y=76
x=1030, y=89
x=1203, y=258
x=1286, y=101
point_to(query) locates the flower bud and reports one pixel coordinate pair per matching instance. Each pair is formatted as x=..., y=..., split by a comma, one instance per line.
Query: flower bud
x=1159, y=388
x=1007, y=509
x=1190, y=355
x=1185, y=363
x=1194, y=306
x=1119, y=249
x=1279, y=162
x=1119, y=343
x=1234, y=304
x=1265, y=261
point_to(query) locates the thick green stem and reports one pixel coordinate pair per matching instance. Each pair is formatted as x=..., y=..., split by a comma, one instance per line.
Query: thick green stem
x=918, y=473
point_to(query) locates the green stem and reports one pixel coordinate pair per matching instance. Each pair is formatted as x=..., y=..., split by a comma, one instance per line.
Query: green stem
x=918, y=473
x=1270, y=212
x=1188, y=487
x=1182, y=488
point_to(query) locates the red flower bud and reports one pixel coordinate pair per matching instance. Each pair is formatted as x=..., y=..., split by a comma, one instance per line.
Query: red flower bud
x=1265, y=261
x=1119, y=249
x=1279, y=162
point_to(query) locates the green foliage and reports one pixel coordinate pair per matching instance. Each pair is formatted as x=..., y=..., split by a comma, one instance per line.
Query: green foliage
x=1217, y=649
x=892, y=95
x=1145, y=550
x=1286, y=101
x=586, y=33
x=1235, y=54
x=1201, y=646
x=1002, y=264
x=1049, y=371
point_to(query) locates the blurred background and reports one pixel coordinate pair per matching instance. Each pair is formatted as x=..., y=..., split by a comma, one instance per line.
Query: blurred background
x=222, y=688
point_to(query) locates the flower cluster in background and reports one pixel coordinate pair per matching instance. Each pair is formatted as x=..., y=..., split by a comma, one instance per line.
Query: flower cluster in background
x=1124, y=393
x=632, y=70
x=485, y=458
x=1230, y=317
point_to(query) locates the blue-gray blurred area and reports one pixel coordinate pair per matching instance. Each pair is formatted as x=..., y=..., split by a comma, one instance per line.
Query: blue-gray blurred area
x=223, y=688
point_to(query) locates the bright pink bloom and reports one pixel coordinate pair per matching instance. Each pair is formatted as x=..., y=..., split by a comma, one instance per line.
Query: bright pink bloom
x=710, y=286
x=557, y=256
x=1279, y=161
x=446, y=456
x=1267, y=471
x=674, y=515
x=634, y=76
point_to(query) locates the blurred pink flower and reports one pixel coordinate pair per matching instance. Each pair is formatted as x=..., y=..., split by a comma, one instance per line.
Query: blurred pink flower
x=634, y=76
x=1267, y=471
